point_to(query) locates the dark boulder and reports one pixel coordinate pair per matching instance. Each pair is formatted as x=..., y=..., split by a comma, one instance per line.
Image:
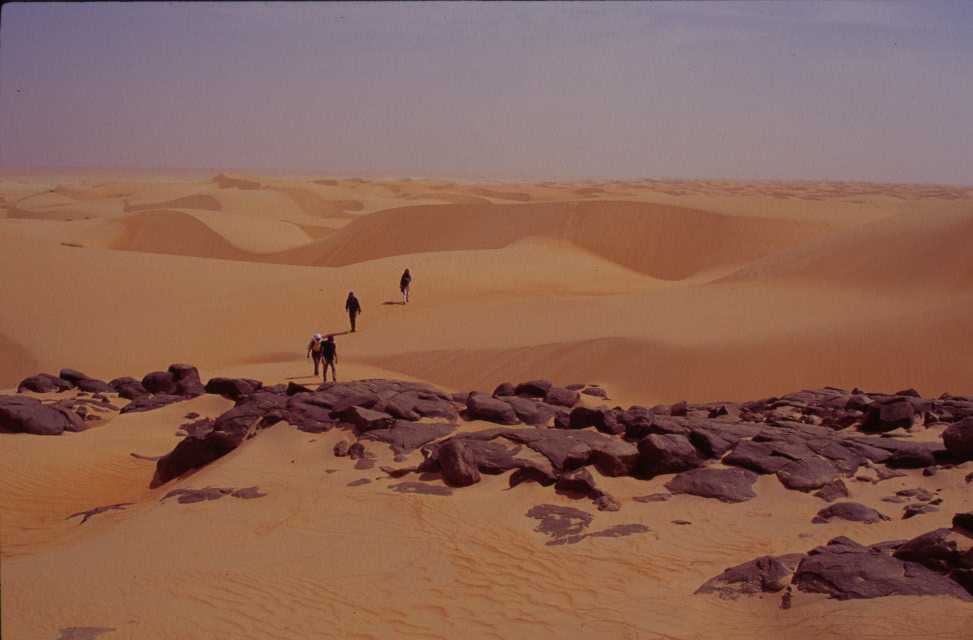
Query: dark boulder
x=159, y=382
x=911, y=458
x=44, y=383
x=533, y=388
x=72, y=376
x=832, y=491
x=293, y=389
x=530, y=411
x=186, y=377
x=680, y=408
x=540, y=472
x=666, y=453
x=852, y=511
x=726, y=485
x=91, y=385
x=766, y=574
x=761, y=457
x=151, y=402
x=480, y=406
x=603, y=419
x=912, y=510
x=19, y=414
x=404, y=436
x=958, y=438
x=577, y=482
x=964, y=521
x=846, y=570
x=942, y=550
x=193, y=453
x=128, y=388
x=503, y=389
x=889, y=414
x=561, y=397
x=807, y=474
x=612, y=457
x=607, y=502
x=413, y=404
x=364, y=419
x=458, y=463
x=597, y=392
x=232, y=388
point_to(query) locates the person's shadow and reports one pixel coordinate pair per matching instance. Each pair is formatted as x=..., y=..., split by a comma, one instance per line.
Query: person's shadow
x=398, y=302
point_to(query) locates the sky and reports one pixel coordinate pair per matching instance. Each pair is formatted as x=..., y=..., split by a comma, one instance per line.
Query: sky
x=832, y=90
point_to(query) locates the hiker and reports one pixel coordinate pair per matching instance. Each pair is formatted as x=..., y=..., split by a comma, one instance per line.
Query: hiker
x=353, y=308
x=404, y=283
x=314, y=350
x=330, y=355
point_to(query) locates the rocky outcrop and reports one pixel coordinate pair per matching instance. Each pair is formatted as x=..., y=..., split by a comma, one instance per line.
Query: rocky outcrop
x=725, y=485
x=232, y=388
x=480, y=406
x=533, y=388
x=19, y=414
x=458, y=463
x=766, y=574
x=958, y=438
x=666, y=453
x=845, y=570
x=364, y=419
x=561, y=397
x=128, y=388
x=404, y=436
x=44, y=383
x=851, y=511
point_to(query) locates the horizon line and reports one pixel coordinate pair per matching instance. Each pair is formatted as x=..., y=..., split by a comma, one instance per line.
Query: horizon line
x=10, y=170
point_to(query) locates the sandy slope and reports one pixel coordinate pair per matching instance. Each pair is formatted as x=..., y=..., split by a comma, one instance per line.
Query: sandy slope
x=658, y=290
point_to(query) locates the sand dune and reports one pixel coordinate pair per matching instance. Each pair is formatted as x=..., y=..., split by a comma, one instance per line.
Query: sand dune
x=201, y=201
x=907, y=251
x=670, y=243
x=657, y=290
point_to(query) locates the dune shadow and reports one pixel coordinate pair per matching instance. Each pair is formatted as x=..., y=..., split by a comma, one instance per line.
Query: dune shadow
x=398, y=302
x=340, y=333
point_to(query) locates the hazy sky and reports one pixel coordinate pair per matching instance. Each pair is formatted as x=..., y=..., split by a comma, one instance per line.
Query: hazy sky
x=873, y=91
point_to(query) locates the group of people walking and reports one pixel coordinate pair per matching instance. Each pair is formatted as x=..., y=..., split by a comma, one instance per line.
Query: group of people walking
x=321, y=349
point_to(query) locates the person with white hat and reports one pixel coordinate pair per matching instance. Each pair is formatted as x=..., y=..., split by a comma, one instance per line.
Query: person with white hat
x=314, y=350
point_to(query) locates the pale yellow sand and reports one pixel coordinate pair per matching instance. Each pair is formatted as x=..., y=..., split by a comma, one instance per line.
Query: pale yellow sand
x=660, y=291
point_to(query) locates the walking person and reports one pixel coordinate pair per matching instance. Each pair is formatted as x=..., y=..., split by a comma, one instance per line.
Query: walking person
x=353, y=308
x=404, y=283
x=329, y=353
x=314, y=350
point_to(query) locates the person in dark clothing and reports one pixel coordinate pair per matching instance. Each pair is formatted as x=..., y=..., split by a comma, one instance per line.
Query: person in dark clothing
x=329, y=354
x=314, y=350
x=353, y=308
x=404, y=283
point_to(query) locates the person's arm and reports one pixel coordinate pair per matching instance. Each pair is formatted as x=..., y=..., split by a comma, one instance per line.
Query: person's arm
x=308, y=351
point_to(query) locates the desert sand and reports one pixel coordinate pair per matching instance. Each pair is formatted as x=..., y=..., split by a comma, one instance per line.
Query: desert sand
x=656, y=290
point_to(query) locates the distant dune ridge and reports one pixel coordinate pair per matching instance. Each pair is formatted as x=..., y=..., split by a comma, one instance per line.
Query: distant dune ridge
x=642, y=292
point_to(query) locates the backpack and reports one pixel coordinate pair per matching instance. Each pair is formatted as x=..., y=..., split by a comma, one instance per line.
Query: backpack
x=328, y=349
x=316, y=345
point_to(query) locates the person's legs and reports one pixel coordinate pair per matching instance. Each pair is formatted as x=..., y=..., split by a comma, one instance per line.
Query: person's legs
x=405, y=295
x=317, y=359
x=351, y=316
x=334, y=374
